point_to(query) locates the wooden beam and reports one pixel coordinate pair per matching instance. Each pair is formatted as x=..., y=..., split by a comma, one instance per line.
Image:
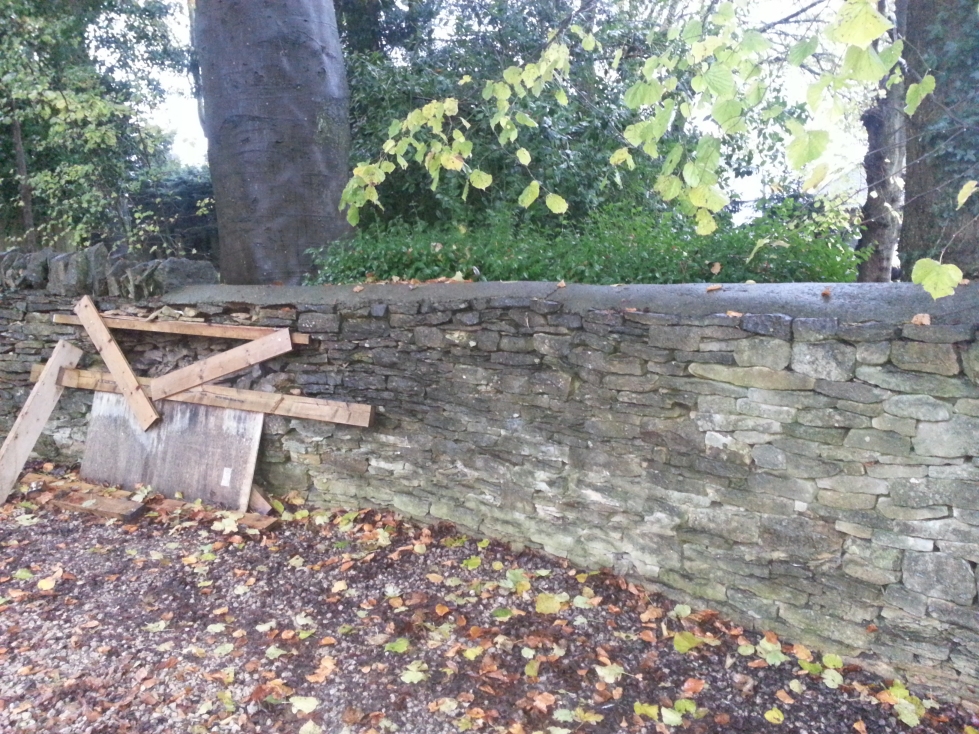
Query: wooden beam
x=288, y=406
x=115, y=360
x=37, y=409
x=221, y=365
x=187, y=328
x=112, y=507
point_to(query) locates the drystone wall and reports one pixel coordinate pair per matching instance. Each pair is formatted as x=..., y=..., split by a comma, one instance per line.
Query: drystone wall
x=803, y=463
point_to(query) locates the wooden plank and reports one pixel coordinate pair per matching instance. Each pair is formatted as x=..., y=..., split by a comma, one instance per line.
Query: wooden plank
x=288, y=406
x=19, y=443
x=118, y=509
x=197, y=451
x=221, y=365
x=257, y=502
x=187, y=328
x=116, y=361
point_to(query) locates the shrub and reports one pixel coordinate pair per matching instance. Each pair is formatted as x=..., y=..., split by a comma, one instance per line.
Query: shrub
x=615, y=244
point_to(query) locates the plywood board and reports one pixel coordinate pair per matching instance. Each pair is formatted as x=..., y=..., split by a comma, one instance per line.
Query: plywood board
x=111, y=507
x=19, y=443
x=115, y=360
x=221, y=365
x=199, y=451
x=187, y=328
x=288, y=406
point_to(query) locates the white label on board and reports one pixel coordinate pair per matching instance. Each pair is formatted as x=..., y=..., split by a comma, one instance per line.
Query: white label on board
x=226, y=477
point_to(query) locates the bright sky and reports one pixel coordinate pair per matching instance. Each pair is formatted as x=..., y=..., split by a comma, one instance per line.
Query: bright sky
x=179, y=115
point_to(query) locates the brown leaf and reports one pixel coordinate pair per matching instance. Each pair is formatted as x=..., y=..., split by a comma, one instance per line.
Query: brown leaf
x=826, y=293
x=860, y=727
x=722, y=719
x=647, y=636
x=692, y=686
x=327, y=667
x=734, y=315
x=802, y=652
x=715, y=287
x=715, y=268
x=921, y=319
x=352, y=715
x=358, y=288
x=758, y=664
x=562, y=284
x=543, y=700
x=441, y=610
x=783, y=696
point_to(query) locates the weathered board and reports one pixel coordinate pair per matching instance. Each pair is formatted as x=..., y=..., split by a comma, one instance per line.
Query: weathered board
x=289, y=406
x=189, y=328
x=111, y=507
x=116, y=361
x=197, y=451
x=19, y=443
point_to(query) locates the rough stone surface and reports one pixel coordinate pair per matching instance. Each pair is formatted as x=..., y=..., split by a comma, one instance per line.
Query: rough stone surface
x=824, y=360
x=924, y=357
x=637, y=428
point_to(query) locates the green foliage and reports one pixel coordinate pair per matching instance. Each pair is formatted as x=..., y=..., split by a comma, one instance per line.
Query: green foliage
x=616, y=244
x=77, y=76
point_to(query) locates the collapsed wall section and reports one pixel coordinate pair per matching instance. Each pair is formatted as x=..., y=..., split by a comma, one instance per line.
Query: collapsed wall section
x=804, y=465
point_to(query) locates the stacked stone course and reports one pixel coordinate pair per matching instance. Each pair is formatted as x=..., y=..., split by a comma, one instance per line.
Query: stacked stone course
x=813, y=475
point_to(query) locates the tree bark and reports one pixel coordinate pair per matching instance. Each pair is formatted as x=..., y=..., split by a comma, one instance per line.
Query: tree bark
x=885, y=123
x=932, y=226
x=276, y=118
x=26, y=194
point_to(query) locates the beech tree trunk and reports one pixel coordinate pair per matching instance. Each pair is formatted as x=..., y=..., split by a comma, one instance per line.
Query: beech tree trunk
x=275, y=105
x=936, y=31
x=26, y=195
x=885, y=123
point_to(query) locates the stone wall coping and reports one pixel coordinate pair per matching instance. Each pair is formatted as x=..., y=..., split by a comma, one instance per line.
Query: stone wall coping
x=852, y=302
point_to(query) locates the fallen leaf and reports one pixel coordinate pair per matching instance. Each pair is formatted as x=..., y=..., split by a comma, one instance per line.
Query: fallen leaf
x=782, y=695
x=358, y=288
x=715, y=268
x=561, y=284
x=733, y=315
x=715, y=287
x=303, y=704
x=826, y=293
x=692, y=686
x=46, y=584
x=860, y=727
x=774, y=716
x=921, y=319
x=327, y=667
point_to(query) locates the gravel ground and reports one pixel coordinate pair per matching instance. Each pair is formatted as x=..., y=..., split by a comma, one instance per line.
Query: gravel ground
x=362, y=623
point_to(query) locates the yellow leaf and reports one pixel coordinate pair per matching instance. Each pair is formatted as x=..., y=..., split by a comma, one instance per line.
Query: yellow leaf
x=556, y=204
x=46, y=584
x=966, y=191
x=523, y=155
x=816, y=177
x=774, y=716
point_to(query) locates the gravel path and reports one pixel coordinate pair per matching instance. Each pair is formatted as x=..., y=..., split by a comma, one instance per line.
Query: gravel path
x=365, y=624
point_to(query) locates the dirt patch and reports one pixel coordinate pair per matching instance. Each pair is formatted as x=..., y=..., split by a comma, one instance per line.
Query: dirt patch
x=359, y=622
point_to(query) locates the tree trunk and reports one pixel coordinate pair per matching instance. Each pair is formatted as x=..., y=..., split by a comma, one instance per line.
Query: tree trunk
x=26, y=194
x=937, y=33
x=275, y=115
x=884, y=164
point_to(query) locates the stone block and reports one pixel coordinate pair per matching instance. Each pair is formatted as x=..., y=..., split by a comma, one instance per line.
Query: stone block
x=938, y=333
x=824, y=360
x=874, y=353
x=939, y=359
x=771, y=412
x=686, y=338
x=318, y=323
x=552, y=345
x=940, y=576
x=777, y=325
x=868, y=331
x=903, y=598
x=831, y=436
x=739, y=526
x=894, y=511
x=759, y=377
x=798, y=537
x=898, y=540
x=858, y=568
x=174, y=273
x=775, y=354
x=798, y=490
x=881, y=442
x=430, y=337
x=845, y=500
x=970, y=362
x=814, y=329
x=903, y=426
x=952, y=613
x=813, y=621
x=944, y=529
x=919, y=407
x=918, y=383
x=854, y=529
x=967, y=407
x=70, y=274
x=831, y=418
x=968, y=551
x=956, y=437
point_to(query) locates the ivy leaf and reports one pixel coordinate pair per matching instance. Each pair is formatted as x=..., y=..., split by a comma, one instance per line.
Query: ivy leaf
x=400, y=645
x=650, y=711
x=705, y=223
x=965, y=192
x=806, y=145
x=720, y=81
x=565, y=715
x=671, y=717
x=939, y=280
x=774, y=716
x=858, y=24
x=832, y=678
x=480, y=179
x=303, y=704
x=529, y=194
x=832, y=661
x=802, y=51
x=610, y=673
x=472, y=563
x=684, y=642
x=556, y=204
x=550, y=603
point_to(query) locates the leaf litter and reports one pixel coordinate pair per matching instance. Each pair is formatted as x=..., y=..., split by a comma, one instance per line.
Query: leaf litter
x=381, y=625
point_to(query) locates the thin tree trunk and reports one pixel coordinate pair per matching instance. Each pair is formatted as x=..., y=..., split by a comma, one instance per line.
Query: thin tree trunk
x=884, y=166
x=26, y=195
x=276, y=118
